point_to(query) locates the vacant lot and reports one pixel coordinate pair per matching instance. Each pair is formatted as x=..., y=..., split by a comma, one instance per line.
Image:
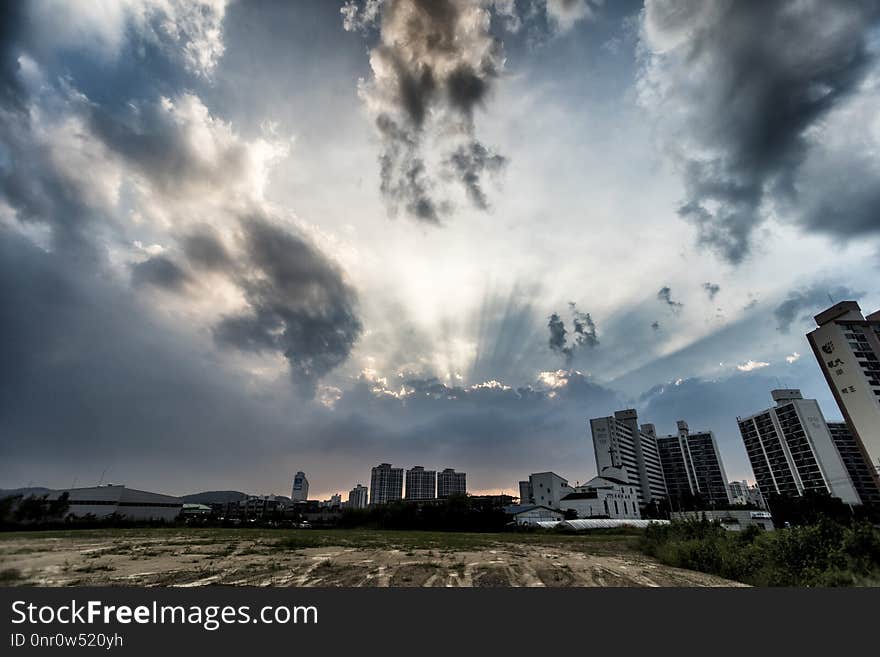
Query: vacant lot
x=198, y=557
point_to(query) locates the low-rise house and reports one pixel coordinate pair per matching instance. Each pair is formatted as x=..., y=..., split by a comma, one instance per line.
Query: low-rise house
x=195, y=510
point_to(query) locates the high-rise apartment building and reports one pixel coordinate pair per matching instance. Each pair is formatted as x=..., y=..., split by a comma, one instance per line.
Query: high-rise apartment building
x=863, y=477
x=421, y=484
x=357, y=497
x=847, y=346
x=692, y=466
x=450, y=482
x=299, y=492
x=792, y=451
x=619, y=442
x=386, y=484
x=742, y=493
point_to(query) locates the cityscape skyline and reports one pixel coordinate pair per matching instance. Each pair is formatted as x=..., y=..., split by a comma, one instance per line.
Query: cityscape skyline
x=625, y=420
x=241, y=239
x=792, y=448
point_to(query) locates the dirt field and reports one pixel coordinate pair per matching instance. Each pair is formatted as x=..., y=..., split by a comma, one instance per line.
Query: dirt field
x=199, y=557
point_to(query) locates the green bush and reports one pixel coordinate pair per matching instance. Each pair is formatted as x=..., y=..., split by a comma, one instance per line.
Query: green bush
x=826, y=553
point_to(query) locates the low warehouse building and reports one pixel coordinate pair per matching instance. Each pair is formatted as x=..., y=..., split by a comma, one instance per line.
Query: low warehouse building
x=128, y=503
x=532, y=514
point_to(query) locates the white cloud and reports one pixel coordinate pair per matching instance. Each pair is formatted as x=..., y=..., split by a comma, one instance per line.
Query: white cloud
x=794, y=356
x=751, y=365
x=188, y=30
x=564, y=14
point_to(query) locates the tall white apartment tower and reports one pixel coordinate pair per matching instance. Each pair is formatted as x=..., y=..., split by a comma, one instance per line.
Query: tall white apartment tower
x=792, y=450
x=847, y=346
x=619, y=442
x=300, y=490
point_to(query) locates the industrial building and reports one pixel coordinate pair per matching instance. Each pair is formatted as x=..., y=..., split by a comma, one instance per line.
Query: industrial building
x=692, y=466
x=792, y=451
x=547, y=488
x=847, y=348
x=111, y=499
x=450, y=482
x=620, y=443
x=386, y=484
x=421, y=484
x=525, y=492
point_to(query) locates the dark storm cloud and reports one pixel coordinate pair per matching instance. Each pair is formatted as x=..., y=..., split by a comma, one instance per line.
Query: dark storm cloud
x=801, y=305
x=711, y=289
x=204, y=249
x=584, y=328
x=78, y=356
x=557, y=339
x=155, y=137
x=31, y=185
x=583, y=334
x=467, y=88
x=28, y=179
x=469, y=162
x=89, y=379
x=840, y=195
x=435, y=64
x=12, y=25
x=402, y=174
x=299, y=304
x=750, y=80
x=665, y=295
x=160, y=272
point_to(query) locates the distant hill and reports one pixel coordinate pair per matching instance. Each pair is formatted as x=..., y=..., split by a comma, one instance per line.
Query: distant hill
x=12, y=492
x=214, y=497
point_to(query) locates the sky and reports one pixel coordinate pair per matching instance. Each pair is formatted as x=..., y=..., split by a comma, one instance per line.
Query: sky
x=241, y=239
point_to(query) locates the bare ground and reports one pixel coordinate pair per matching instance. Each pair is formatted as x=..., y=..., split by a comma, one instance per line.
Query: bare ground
x=214, y=557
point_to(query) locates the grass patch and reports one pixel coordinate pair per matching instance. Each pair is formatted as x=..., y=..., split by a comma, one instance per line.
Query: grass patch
x=822, y=554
